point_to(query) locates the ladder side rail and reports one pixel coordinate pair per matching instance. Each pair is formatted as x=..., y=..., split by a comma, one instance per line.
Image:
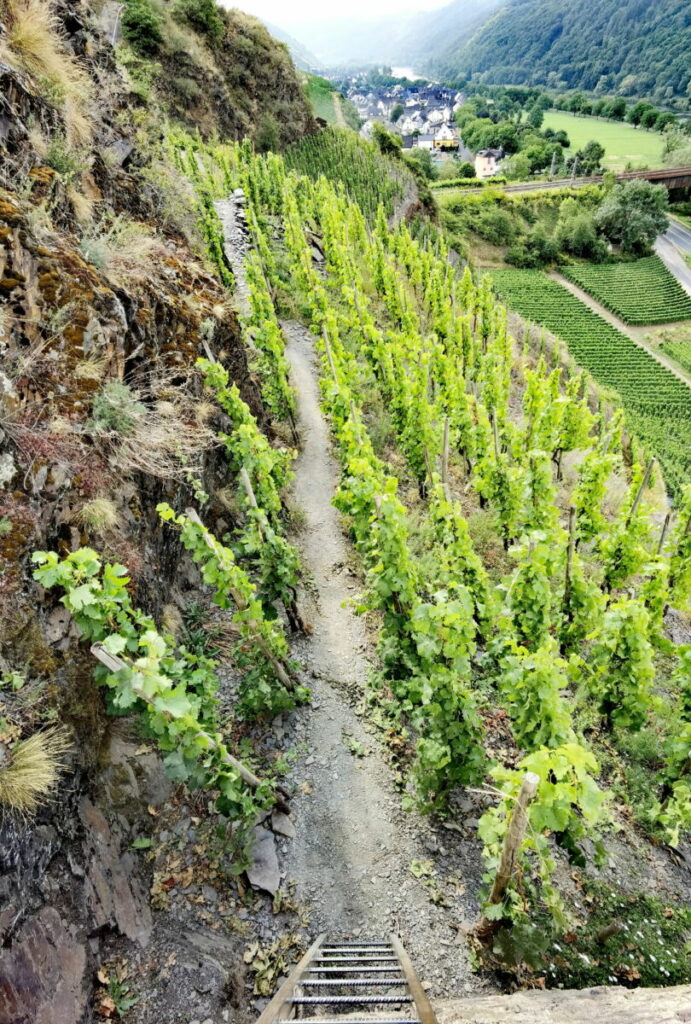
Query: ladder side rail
x=281, y=1002
x=420, y=998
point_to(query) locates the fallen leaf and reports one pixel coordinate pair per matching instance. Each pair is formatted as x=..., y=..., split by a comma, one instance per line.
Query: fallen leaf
x=106, y=1007
x=103, y=976
x=306, y=788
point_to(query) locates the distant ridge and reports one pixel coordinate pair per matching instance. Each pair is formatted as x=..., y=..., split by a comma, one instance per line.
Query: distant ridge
x=302, y=57
x=634, y=47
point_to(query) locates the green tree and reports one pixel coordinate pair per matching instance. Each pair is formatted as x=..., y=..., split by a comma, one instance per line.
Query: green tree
x=142, y=27
x=397, y=112
x=590, y=157
x=633, y=214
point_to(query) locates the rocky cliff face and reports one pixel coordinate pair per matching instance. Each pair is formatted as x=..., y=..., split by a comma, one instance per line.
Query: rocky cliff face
x=105, y=304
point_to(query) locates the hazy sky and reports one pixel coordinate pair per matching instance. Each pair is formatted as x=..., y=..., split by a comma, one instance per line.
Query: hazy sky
x=292, y=12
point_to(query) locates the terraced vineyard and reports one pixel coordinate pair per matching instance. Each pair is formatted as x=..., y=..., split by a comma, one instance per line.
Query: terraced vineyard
x=642, y=292
x=657, y=403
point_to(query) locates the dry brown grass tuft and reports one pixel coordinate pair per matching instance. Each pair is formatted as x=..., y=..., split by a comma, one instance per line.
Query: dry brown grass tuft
x=162, y=437
x=82, y=204
x=34, y=43
x=30, y=769
x=98, y=515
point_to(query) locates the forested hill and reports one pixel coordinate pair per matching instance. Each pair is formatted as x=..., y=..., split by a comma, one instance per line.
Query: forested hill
x=635, y=47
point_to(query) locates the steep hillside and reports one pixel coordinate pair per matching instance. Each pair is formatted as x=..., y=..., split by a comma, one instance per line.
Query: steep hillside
x=635, y=47
x=107, y=299
x=214, y=70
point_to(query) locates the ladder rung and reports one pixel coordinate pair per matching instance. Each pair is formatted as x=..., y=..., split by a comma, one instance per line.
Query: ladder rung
x=359, y=945
x=355, y=949
x=375, y=1000
x=352, y=959
x=355, y=981
x=348, y=970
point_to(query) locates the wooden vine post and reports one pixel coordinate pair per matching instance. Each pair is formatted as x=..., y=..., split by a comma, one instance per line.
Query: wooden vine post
x=445, y=461
x=512, y=843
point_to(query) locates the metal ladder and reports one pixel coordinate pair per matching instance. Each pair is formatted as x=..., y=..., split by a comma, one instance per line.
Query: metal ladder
x=374, y=980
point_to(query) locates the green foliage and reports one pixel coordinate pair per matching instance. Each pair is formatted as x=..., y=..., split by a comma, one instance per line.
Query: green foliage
x=680, y=560
x=142, y=27
x=202, y=15
x=633, y=214
x=568, y=804
x=529, y=595
x=618, y=47
x=173, y=690
x=622, y=664
x=532, y=686
x=651, y=394
x=262, y=650
x=369, y=178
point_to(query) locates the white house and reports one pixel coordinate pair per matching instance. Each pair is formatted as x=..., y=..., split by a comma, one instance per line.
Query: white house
x=487, y=162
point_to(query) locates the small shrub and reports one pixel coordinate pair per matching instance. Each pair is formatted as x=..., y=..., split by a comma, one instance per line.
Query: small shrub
x=117, y=409
x=62, y=158
x=186, y=88
x=202, y=15
x=268, y=136
x=142, y=27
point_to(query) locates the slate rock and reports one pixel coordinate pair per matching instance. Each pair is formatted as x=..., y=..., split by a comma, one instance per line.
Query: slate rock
x=282, y=824
x=264, y=872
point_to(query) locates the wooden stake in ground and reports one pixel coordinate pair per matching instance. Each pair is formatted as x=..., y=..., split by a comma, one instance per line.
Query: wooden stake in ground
x=512, y=842
x=445, y=461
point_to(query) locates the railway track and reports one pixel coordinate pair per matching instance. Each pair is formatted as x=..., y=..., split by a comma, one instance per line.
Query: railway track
x=673, y=177
x=357, y=982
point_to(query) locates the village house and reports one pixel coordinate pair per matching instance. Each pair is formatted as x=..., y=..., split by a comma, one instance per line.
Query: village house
x=446, y=138
x=487, y=162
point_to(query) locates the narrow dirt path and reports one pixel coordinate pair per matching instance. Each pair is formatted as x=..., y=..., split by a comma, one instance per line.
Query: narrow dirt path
x=354, y=847
x=637, y=334
x=338, y=111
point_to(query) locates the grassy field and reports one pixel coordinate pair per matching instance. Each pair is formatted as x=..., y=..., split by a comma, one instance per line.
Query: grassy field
x=623, y=143
x=675, y=342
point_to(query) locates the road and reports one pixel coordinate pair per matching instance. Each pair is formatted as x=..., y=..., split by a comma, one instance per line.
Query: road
x=670, y=247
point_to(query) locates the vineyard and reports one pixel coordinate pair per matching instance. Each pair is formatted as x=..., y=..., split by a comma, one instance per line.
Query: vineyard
x=641, y=292
x=369, y=179
x=652, y=396
x=562, y=624
x=520, y=608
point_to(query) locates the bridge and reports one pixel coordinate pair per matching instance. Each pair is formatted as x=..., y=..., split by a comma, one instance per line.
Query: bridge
x=671, y=177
